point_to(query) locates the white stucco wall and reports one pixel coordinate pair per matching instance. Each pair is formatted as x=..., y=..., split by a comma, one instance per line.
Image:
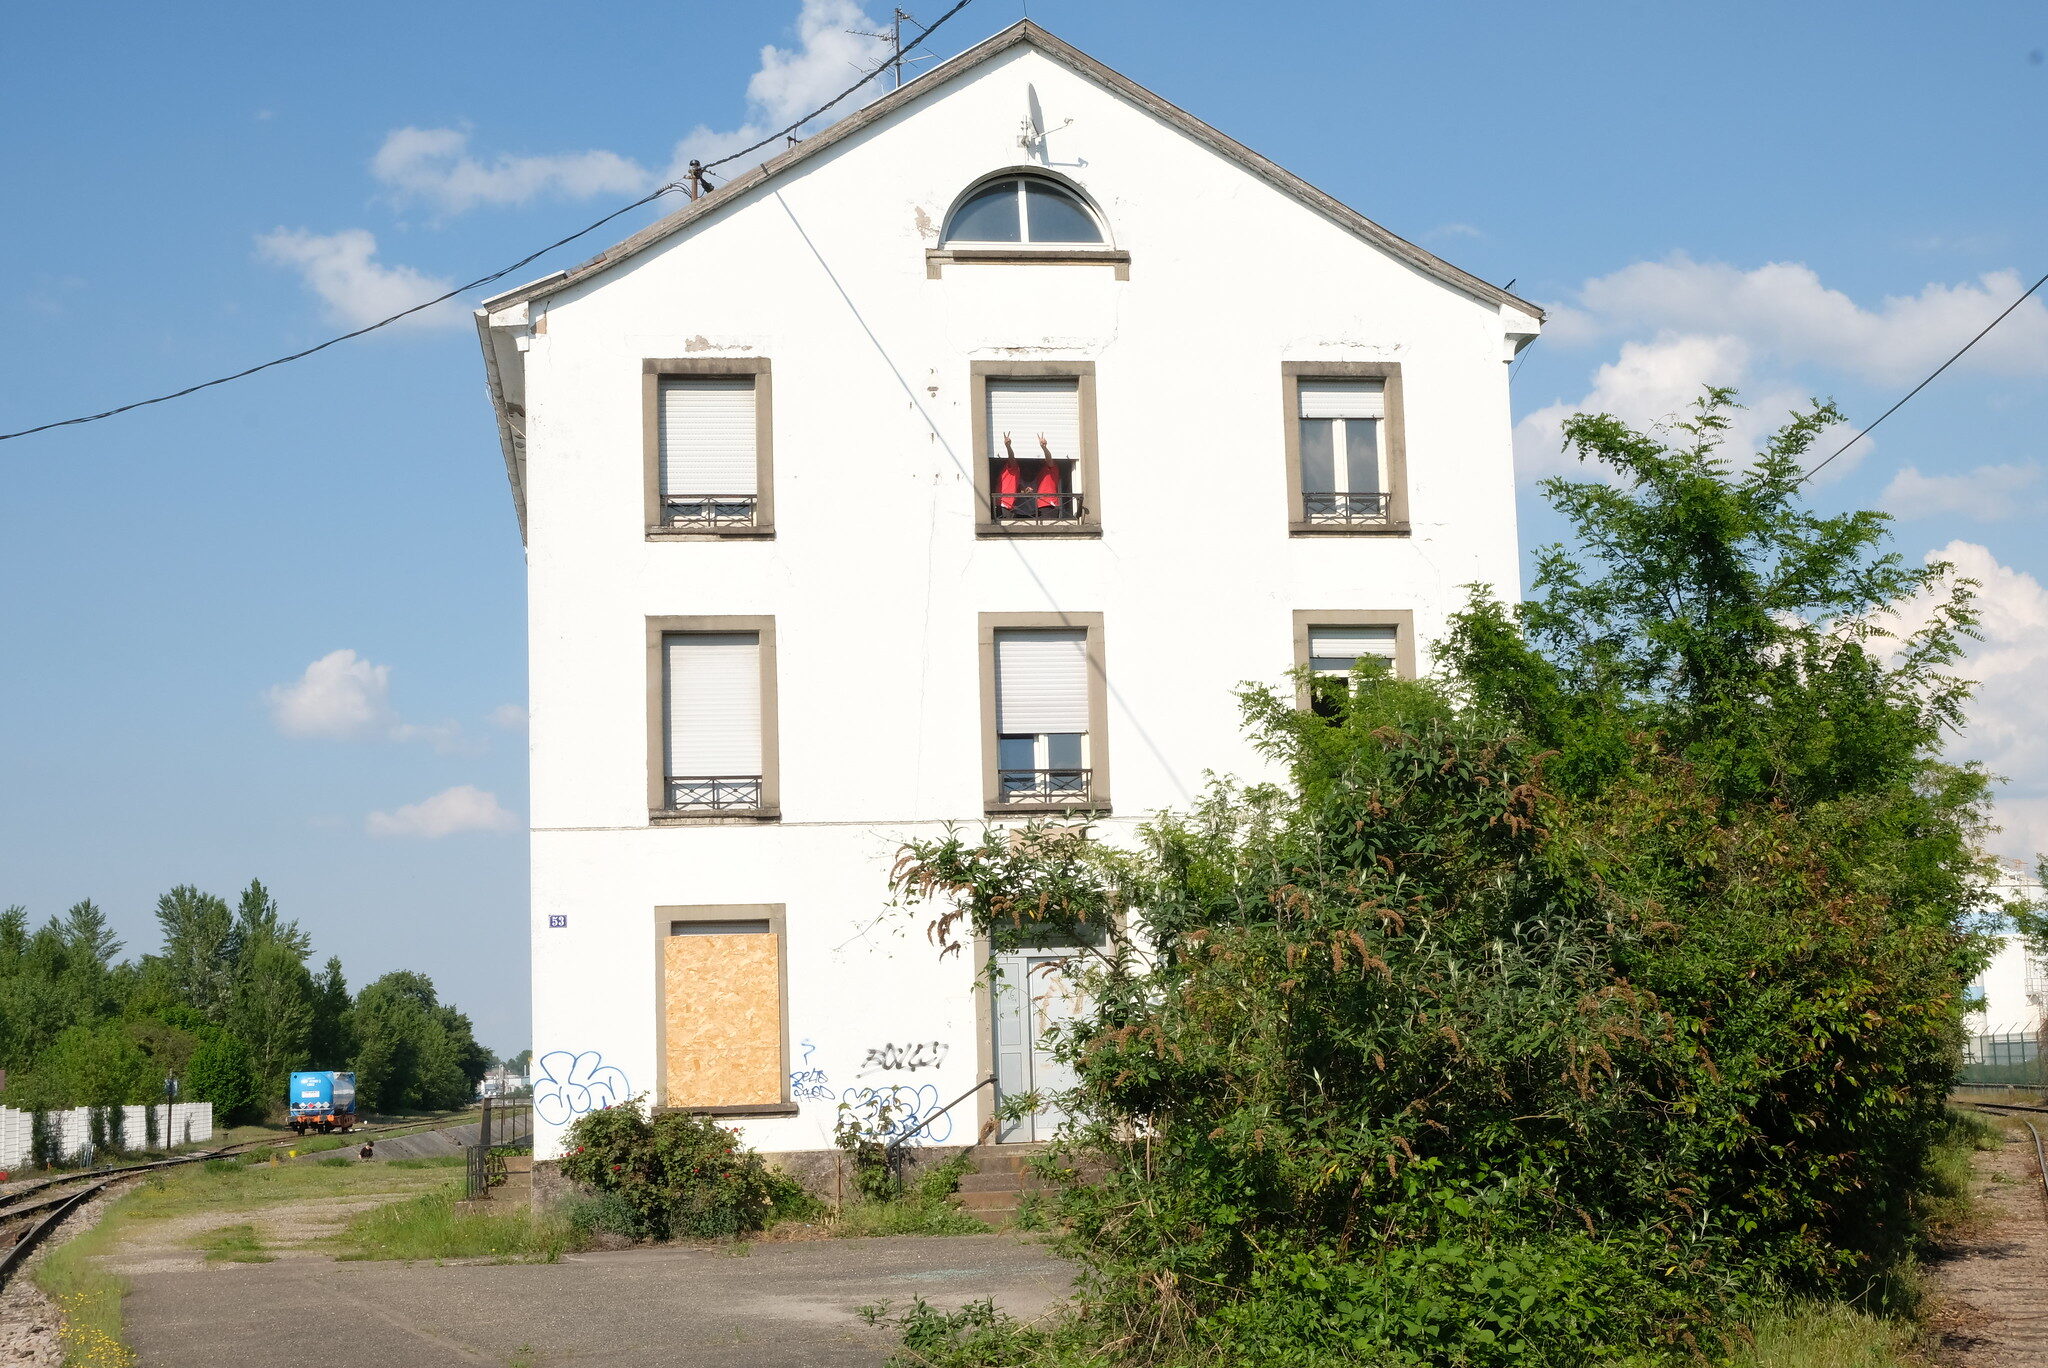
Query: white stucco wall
x=875, y=576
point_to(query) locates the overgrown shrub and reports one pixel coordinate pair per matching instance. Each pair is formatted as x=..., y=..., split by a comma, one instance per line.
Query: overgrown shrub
x=1555, y=1011
x=679, y=1175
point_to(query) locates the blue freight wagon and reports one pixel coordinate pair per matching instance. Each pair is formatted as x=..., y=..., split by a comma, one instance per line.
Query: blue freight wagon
x=323, y=1102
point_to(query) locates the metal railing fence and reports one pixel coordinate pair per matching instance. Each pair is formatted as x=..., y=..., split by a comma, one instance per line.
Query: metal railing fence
x=1323, y=506
x=714, y=793
x=2014, y=1060
x=505, y=1123
x=686, y=511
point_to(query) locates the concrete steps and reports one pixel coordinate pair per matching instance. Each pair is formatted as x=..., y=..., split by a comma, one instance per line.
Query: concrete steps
x=996, y=1189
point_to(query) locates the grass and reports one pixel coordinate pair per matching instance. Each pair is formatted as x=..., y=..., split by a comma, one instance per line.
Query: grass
x=434, y=1226
x=90, y=1300
x=234, y=1244
x=925, y=1208
x=1828, y=1337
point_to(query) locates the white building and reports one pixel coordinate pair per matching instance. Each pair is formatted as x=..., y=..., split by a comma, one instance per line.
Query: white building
x=957, y=463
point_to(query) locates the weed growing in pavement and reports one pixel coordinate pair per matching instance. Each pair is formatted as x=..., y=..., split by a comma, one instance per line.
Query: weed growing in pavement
x=925, y=1207
x=435, y=1226
x=234, y=1244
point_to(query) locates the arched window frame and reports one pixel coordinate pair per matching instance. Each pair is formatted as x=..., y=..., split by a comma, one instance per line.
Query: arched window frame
x=1029, y=173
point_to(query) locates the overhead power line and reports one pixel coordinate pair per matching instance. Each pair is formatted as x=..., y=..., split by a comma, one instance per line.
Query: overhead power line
x=1929, y=380
x=497, y=275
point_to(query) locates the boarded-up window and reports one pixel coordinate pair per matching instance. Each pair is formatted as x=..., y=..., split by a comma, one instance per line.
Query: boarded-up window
x=708, y=436
x=722, y=1013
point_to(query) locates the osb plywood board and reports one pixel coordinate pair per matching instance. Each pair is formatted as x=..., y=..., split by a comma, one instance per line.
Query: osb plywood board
x=722, y=997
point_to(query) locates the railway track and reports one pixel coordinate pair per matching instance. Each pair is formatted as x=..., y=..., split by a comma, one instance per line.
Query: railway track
x=24, y=1223
x=2040, y=1151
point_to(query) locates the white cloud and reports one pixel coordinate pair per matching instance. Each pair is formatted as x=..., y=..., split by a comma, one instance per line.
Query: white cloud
x=450, y=812
x=508, y=717
x=1784, y=313
x=2008, y=713
x=434, y=165
x=1653, y=384
x=1989, y=493
x=341, y=696
x=791, y=82
x=356, y=288
x=344, y=697
x=1454, y=230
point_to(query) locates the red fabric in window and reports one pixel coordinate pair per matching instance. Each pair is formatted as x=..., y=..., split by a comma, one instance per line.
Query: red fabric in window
x=1009, y=480
x=1048, y=477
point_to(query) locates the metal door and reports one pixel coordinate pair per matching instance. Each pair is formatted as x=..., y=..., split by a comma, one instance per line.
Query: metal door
x=1033, y=994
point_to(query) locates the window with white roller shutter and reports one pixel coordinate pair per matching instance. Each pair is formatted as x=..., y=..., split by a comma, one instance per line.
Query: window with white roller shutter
x=1334, y=648
x=1034, y=446
x=1042, y=709
x=713, y=688
x=1333, y=651
x=709, y=452
x=1341, y=447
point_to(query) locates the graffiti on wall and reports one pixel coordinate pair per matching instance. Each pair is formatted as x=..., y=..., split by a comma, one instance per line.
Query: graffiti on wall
x=808, y=1084
x=568, y=1084
x=899, y=1113
x=906, y=1058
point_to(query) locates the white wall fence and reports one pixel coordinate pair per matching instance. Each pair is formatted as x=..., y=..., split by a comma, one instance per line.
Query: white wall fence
x=179, y=1123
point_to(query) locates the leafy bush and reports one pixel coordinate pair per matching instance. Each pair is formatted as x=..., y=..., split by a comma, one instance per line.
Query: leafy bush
x=1562, y=1010
x=679, y=1175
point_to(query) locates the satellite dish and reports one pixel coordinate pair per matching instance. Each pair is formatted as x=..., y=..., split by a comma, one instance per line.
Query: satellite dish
x=1032, y=139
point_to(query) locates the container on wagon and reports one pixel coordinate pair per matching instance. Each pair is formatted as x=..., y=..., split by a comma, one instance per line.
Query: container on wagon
x=323, y=1101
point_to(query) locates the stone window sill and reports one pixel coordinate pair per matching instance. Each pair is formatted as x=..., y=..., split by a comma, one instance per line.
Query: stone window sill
x=1399, y=529
x=938, y=258
x=740, y=1109
x=728, y=817
x=711, y=534
x=1069, y=531
x=1088, y=811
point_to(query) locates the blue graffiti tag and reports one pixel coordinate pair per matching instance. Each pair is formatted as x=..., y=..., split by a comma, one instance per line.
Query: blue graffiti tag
x=571, y=1084
x=809, y=1084
x=896, y=1113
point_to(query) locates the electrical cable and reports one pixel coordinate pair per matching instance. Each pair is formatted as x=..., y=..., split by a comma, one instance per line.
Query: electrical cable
x=495, y=275
x=1928, y=381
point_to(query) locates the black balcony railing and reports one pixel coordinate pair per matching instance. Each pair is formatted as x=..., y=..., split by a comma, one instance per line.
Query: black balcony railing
x=720, y=793
x=1044, y=785
x=688, y=511
x=1038, y=508
x=1345, y=508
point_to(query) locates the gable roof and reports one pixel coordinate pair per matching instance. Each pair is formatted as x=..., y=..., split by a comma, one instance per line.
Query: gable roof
x=1023, y=32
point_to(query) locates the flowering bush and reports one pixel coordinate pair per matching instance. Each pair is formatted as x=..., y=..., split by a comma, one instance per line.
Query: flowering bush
x=676, y=1175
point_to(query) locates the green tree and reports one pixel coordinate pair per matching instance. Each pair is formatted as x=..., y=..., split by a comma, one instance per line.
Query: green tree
x=1552, y=1011
x=412, y=1053
x=273, y=1013
x=328, y=1043
x=199, y=950
x=99, y=1065
x=222, y=1072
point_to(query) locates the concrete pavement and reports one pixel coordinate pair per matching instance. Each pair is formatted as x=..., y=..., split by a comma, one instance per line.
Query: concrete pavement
x=784, y=1304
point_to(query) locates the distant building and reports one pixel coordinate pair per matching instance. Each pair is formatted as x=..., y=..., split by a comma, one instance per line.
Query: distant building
x=956, y=464
x=503, y=1083
x=2014, y=987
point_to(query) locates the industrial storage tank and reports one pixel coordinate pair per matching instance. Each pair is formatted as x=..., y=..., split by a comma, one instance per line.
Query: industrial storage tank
x=323, y=1101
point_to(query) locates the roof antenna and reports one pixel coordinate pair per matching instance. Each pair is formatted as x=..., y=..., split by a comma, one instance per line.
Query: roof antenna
x=894, y=38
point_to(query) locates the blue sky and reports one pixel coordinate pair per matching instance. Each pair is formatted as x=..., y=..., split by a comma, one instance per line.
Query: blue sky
x=277, y=629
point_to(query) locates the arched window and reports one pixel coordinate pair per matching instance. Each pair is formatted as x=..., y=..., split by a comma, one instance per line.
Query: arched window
x=1022, y=209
